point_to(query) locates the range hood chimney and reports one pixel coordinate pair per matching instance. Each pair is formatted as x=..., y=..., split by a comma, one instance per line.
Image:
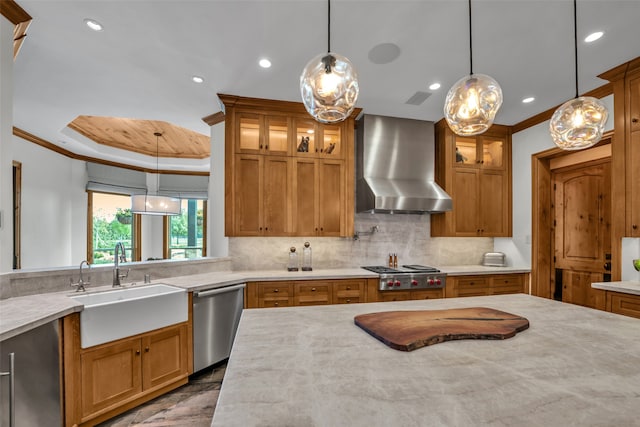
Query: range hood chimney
x=395, y=167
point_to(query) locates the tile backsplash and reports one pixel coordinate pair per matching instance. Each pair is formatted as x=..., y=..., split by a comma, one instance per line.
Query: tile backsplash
x=406, y=235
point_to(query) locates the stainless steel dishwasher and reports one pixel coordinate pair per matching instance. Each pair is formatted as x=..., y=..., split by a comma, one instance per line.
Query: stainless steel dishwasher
x=216, y=314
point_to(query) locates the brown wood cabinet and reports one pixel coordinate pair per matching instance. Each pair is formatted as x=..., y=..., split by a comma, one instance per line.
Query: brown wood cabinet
x=262, y=208
x=626, y=304
x=285, y=173
x=107, y=379
x=480, y=285
x=476, y=172
x=625, y=154
x=304, y=292
x=319, y=197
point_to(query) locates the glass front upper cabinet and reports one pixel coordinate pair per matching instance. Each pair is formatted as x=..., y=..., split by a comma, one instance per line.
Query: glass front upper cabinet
x=481, y=151
x=263, y=135
x=305, y=137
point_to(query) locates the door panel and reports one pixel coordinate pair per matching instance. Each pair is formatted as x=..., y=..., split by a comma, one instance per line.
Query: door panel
x=465, y=182
x=331, y=196
x=492, y=206
x=305, y=198
x=582, y=215
x=248, y=197
x=277, y=210
x=576, y=289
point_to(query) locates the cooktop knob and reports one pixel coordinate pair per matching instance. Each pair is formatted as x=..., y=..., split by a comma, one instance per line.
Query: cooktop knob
x=414, y=282
x=438, y=282
x=398, y=283
x=390, y=283
x=431, y=281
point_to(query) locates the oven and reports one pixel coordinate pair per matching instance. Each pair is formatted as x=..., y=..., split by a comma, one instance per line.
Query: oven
x=409, y=277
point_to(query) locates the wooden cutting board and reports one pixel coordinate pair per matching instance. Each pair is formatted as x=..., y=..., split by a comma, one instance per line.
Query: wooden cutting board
x=409, y=330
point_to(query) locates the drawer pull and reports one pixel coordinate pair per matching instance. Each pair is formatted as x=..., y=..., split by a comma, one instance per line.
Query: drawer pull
x=348, y=288
x=313, y=289
x=276, y=304
x=348, y=301
x=137, y=352
x=276, y=290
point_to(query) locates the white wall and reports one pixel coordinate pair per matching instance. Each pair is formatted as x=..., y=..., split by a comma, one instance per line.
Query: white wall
x=6, y=123
x=524, y=144
x=217, y=243
x=54, y=206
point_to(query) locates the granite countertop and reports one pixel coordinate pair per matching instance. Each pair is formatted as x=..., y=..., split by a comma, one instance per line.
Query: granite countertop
x=624, y=287
x=312, y=366
x=21, y=314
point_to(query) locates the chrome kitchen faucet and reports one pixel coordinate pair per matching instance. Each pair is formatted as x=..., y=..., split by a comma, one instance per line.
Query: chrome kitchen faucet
x=116, y=269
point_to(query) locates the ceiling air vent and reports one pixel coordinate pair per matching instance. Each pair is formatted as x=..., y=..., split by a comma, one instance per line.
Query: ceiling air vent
x=418, y=98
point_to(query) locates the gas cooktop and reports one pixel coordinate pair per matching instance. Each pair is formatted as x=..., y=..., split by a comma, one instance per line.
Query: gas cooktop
x=411, y=268
x=408, y=277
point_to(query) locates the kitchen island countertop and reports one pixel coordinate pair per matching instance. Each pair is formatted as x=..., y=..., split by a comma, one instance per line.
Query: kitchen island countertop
x=312, y=366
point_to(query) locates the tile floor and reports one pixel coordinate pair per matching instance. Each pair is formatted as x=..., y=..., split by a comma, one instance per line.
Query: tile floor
x=192, y=404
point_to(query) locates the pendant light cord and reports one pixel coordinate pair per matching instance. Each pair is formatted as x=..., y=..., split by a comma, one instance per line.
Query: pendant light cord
x=328, y=26
x=157, y=134
x=470, y=43
x=575, y=41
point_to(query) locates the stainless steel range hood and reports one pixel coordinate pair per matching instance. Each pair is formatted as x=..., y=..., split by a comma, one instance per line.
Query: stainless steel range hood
x=395, y=160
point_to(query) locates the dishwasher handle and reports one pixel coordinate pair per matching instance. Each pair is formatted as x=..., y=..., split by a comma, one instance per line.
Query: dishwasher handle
x=218, y=291
x=12, y=389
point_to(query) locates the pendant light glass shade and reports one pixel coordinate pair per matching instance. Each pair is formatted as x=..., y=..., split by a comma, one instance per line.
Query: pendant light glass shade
x=329, y=87
x=146, y=204
x=329, y=84
x=578, y=123
x=472, y=103
x=154, y=205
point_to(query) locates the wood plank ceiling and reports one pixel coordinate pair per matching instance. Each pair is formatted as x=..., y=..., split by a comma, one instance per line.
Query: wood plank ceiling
x=138, y=136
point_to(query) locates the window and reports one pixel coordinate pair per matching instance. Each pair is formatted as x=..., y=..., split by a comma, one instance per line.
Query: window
x=110, y=221
x=185, y=234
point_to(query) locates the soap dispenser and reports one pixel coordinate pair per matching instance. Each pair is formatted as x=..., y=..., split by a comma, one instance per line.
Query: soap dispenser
x=306, y=257
x=293, y=259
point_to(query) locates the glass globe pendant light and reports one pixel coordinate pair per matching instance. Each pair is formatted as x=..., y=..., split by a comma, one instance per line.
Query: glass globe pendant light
x=329, y=84
x=472, y=103
x=146, y=204
x=578, y=123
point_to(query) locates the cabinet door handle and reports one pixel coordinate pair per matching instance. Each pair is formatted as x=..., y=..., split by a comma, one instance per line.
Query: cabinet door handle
x=634, y=120
x=634, y=226
x=12, y=386
x=260, y=228
x=261, y=146
x=266, y=147
x=138, y=352
x=146, y=349
x=316, y=150
x=266, y=229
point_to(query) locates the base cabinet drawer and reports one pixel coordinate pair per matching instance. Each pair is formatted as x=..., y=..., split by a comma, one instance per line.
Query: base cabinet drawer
x=480, y=285
x=312, y=293
x=427, y=294
x=471, y=286
x=626, y=304
x=305, y=292
x=348, y=291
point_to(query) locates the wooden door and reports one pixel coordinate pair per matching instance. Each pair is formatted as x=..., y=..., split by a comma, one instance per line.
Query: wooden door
x=277, y=196
x=164, y=356
x=331, y=197
x=465, y=201
x=582, y=242
x=111, y=373
x=248, y=195
x=305, y=201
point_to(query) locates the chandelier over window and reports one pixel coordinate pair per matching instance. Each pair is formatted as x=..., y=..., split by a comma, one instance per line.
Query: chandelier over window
x=147, y=204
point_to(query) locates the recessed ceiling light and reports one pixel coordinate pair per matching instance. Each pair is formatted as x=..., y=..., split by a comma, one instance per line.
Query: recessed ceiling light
x=593, y=36
x=93, y=24
x=434, y=86
x=197, y=79
x=528, y=100
x=309, y=130
x=265, y=63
